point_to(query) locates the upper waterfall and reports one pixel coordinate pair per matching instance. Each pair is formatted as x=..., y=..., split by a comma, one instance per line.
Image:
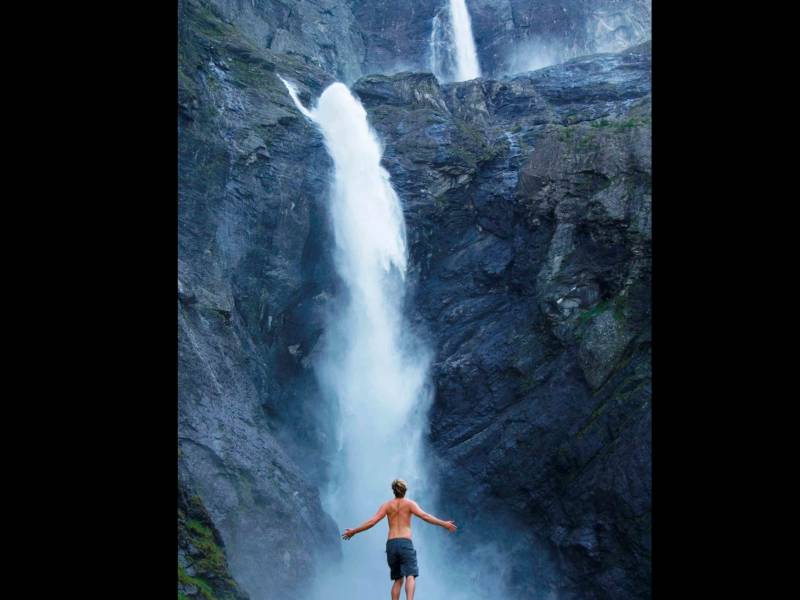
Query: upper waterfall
x=467, y=56
x=452, y=47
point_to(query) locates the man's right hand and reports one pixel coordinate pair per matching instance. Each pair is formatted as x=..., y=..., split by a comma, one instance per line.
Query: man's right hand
x=451, y=526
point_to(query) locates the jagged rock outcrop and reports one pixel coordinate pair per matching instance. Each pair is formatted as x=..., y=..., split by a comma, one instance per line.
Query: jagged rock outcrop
x=528, y=208
x=528, y=213
x=320, y=33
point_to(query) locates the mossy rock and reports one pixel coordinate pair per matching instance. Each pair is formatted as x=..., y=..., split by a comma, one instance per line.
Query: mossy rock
x=201, y=548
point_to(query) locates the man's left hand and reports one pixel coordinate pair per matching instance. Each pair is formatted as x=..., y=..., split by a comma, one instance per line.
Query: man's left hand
x=348, y=533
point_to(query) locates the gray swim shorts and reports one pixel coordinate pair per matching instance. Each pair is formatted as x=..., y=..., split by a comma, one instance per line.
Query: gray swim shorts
x=402, y=558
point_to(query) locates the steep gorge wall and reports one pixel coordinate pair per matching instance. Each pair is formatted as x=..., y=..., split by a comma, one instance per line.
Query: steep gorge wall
x=251, y=280
x=528, y=207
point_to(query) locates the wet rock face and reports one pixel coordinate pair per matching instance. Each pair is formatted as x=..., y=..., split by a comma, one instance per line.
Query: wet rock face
x=251, y=282
x=322, y=33
x=528, y=209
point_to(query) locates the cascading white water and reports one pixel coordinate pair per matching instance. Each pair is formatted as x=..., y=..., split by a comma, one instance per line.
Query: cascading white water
x=371, y=366
x=467, y=56
x=376, y=372
x=452, y=46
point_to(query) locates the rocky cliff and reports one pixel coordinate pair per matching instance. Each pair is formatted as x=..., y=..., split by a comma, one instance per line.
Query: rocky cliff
x=528, y=207
x=527, y=202
x=249, y=235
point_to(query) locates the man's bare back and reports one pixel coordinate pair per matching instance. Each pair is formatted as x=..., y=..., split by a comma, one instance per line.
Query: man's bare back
x=398, y=512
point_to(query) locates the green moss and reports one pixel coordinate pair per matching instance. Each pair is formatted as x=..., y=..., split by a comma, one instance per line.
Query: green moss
x=182, y=596
x=470, y=145
x=620, y=125
x=600, y=123
x=587, y=315
x=213, y=558
x=489, y=154
x=566, y=134
x=197, y=582
x=198, y=527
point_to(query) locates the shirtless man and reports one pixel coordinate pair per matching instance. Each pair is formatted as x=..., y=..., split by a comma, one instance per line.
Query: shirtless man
x=400, y=553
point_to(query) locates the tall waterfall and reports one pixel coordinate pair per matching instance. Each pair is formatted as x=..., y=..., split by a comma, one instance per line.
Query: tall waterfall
x=371, y=366
x=376, y=371
x=452, y=46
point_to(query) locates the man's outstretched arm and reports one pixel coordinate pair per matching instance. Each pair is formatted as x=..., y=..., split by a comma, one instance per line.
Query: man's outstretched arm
x=348, y=533
x=449, y=525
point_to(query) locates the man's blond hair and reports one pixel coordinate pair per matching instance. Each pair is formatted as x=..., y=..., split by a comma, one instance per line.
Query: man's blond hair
x=399, y=488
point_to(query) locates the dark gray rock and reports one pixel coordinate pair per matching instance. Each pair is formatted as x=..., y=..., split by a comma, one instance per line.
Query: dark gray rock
x=322, y=33
x=250, y=233
x=528, y=209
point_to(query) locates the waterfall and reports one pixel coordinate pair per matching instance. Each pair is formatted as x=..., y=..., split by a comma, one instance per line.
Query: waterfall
x=465, y=44
x=452, y=46
x=371, y=367
x=376, y=371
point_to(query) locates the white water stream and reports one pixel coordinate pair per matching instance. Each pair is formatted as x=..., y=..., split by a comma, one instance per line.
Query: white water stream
x=452, y=45
x=376, y=371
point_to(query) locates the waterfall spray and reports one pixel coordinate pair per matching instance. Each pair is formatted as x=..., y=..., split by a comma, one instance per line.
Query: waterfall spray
x=452, y=46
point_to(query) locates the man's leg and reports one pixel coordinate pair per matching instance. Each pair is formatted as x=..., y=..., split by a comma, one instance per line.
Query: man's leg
x=410, y=584
x=398, y=583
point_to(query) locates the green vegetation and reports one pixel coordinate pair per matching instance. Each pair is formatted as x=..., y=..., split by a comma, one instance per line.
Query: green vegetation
x=470, y=145
x=619, y=306
x=198, y=539
x=200, y=584
x=566, y=134
x=587, y=315
x=213, y=559
x=620, y=125
x=600, y=123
